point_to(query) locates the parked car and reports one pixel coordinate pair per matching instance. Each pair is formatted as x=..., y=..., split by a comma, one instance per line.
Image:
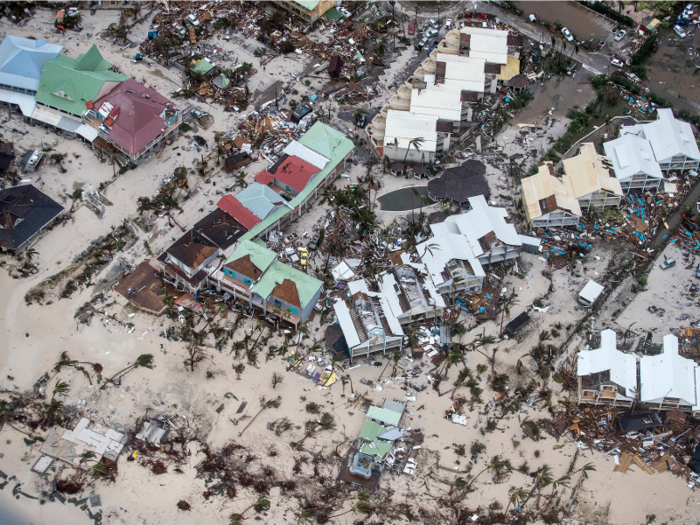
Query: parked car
x=697, y=272
x=196, y=113
x=617, y=62
x=412, y=28
x=567, y=34
x=423, y=42
x=667, y=263
x=448, y=24
x=689, y=225
x=430, y=32
x=344, y=12
x=620, y=35
x=193, y=20
x=532, y=18
x=688, y=216
x=433, y=23
x=679, y=31
x=432, y=48
x=291, y=237
x=304, y=257
x=313, y=243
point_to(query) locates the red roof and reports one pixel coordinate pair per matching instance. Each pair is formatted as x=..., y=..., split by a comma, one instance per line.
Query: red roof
x=137, y=114
x=235, y=209
x=290, y=171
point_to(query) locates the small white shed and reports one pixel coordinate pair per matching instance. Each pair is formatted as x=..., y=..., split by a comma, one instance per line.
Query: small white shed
x=590, y=293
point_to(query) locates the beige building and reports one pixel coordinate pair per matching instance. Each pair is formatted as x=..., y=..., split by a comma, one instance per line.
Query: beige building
x=591, y=179
x=309, y=10
x=549, y=201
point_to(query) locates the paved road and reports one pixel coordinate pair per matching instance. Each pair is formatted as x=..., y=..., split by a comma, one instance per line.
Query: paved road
x=675, y=219
x=597, y=63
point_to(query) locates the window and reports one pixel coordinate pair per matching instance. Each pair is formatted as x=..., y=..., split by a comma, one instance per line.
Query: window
x=277, y=303
x=246, y=280
x=293, y=310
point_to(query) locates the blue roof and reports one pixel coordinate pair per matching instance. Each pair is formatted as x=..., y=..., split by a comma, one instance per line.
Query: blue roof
x=22, y=61
x=259, y=199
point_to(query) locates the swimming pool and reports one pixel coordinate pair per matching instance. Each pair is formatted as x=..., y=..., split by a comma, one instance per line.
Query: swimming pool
x=405, y=199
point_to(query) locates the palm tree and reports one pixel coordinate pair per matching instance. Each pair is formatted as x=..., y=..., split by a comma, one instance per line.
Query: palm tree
x=272, y=403
x=74, y=197
x=362, y=506
x=416, y=142
x=458, y=484
x=497, y=465
x=359, y=113
x=505, y=304
x=142, y=361
x=261, y=504
x=29, y=255
x=429, y=247
x=459, y=329
x=628, y=331
x=516, y=498
x=84, y=457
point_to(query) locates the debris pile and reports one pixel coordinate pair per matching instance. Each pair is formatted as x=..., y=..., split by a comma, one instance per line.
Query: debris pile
x=641, y=438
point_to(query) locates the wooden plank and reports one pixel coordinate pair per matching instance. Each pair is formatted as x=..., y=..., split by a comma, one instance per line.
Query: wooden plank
x=242, y=407
x=625, y=462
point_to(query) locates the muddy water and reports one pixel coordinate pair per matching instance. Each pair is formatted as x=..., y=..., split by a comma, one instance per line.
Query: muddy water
x=559, y=95
x=671, y=70
x=580, y=21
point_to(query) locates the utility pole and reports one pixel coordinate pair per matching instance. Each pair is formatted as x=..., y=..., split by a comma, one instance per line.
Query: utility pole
x=276, y=100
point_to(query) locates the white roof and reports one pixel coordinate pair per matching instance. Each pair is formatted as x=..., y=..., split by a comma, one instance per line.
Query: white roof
x=631, y=155
x=457, y=237
x=402, y=127
x=591, y=291
x=342, y=272
x=463, y=73
x=489, y=44
x=342, y=312
x=300, y=151
x=668, y=375
x=668, y=136
x=26, y=103
x=441, y=104
x=661, y=376
x=623, y=367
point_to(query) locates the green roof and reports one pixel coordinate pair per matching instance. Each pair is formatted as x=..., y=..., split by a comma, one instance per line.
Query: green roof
x=68, y=83
x=386, y=416
x=203, y=67
x=309, y=5
x=333, y=14
x=320, y=138
x=277, y=272
x=377, y=447
x=327, y=141
x=260, y=256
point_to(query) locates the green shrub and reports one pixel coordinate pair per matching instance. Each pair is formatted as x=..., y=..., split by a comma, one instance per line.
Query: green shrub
x=647, y=49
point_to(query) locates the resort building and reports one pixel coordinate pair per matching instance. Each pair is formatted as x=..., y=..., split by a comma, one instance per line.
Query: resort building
x=591, y=180
x=548, y=201
x=634, y=163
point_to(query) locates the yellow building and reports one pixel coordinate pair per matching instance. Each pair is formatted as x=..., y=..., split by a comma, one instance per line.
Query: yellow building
x=309, y=10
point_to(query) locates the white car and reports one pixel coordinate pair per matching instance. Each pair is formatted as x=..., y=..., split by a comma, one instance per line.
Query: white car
x=432, y=23
x=567, y=34
x=193, y=20
x=429, y=33
x=448, y=23
x=617, y=62
x=532, y=18
x=344, y=12
x=679, y=31
x=620, y=35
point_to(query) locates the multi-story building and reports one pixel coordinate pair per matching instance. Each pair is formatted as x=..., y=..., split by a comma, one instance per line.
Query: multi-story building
x=132, y=119
x=548, y=201
x=307, y=10
x=667, y=381
x=462, y=245
x=634, y=163
x=21, y=63
x=672, y=141
x=591, y=179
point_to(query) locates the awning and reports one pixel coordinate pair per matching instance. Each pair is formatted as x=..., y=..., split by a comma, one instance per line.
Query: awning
x=333, y=14
x=60, y=121
x=26, y=103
